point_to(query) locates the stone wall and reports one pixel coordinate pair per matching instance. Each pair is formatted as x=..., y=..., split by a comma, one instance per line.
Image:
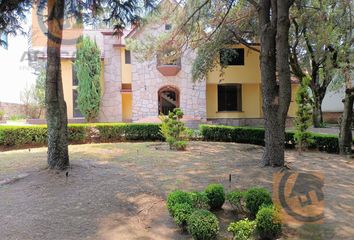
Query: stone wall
x=12, y=109
x=111, y=103
x=147, y=81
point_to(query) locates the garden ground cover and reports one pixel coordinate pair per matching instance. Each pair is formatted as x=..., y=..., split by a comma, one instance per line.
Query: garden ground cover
x=118, y=191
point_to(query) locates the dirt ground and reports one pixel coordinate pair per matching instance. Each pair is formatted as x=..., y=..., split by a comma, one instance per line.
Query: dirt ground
x=118, y=191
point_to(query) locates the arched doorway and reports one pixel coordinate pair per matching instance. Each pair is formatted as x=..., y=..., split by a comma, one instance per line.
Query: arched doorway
x=168, y=99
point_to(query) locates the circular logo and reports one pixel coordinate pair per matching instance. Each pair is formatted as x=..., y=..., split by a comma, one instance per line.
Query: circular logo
x=301, y=196
x=72, y=30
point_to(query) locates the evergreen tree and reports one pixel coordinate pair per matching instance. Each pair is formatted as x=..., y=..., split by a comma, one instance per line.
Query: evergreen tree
x=88, y=68
x=303, y=114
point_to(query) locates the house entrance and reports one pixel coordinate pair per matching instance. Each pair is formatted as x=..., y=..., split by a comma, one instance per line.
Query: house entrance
x=168, y=99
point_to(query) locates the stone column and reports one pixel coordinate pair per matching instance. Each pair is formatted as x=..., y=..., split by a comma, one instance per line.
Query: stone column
x=111, y=103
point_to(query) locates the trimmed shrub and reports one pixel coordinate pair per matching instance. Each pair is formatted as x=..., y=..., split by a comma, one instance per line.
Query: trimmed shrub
x=203, y=225
x=323, y=142
x=182, y=212
x=216, y=195
x=200, y=200
x=177, y=197
x=22, y=135
x=78, y=133
x=142, y=132
x=268, y=223
x=235, y=198
x=242, y=230
x=255, y=198
x=110, y=132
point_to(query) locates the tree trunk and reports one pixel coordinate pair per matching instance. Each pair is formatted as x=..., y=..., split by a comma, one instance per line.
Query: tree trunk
x=58, y=157
x=317, y=116
x=274, y=27
x=345, y=135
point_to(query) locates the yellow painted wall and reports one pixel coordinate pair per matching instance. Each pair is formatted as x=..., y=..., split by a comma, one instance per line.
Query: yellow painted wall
x=66, y=69
x=248, y=73
x=126, y=68
x=39, y=39
x=127, y=104
x=251, y=107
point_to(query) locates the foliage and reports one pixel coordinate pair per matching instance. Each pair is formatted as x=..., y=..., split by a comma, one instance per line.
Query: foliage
x=88, y=67
x=27, y=97
x=243, y=229
x=255, y=198
x=2, y=114
x=181, y=213
x=216, y=195
x=110, y=132
x=39, y=90
x=303, y=115
x=177, y=197
x=268, y=223
x=235, y=199
x=174, y=130
x=20, y=136
x=200, y=200
x=322, y=142
x=203, y=225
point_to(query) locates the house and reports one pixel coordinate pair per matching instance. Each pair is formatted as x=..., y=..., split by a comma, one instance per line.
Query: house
x=139, y=91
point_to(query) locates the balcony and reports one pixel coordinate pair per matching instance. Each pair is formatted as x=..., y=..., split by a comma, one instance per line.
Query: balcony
x=168, y=68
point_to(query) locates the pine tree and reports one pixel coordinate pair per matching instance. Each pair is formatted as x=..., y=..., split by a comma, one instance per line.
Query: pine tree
x=88, y=67
x=303, y=115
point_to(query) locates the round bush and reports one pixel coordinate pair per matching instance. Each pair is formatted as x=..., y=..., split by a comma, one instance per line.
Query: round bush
x=235, y=199
x=203, y=225
x=268, y=223
x=216, y=195
x=176, y=197
x=242, y=230
x=200, y=200
x=182, y=211
x=255, y=198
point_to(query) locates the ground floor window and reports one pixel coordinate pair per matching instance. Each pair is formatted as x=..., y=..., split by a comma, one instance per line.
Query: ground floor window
x=76, y=110
x=168, y=99
x=230, y=97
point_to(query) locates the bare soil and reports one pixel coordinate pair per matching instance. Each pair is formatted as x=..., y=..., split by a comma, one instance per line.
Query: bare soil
x=118, y=191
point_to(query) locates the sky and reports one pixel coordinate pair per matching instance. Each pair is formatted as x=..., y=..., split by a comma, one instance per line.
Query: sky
x=14, y=73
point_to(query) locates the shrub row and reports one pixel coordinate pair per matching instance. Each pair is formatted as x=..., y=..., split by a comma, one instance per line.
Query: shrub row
x=323, y=142
x=18, y=136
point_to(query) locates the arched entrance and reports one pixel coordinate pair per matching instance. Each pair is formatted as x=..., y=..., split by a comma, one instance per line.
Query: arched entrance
x=168, y=99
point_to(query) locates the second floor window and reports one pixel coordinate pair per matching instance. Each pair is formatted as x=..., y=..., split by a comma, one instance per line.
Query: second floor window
x=232, y=56
x=229, y=97
x=127, y=57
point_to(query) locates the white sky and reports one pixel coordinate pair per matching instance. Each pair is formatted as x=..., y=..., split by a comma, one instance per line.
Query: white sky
x=14, y=73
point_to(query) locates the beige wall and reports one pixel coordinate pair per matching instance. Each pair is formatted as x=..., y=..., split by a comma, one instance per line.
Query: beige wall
x=126, y=69
x=248, y=73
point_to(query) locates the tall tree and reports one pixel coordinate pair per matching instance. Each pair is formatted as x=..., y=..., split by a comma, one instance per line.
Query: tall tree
x=208, y=26
x=88, y=68
x=316, y=39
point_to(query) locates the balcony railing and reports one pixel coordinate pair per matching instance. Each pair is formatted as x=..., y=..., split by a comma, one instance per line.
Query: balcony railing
x=168, y=67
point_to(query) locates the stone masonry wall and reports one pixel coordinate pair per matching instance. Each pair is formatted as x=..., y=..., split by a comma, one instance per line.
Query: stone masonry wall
x=111, y=103
x=147, y=80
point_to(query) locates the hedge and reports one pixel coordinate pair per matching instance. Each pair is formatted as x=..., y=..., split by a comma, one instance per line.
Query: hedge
x=323, y=142
x=20, y=136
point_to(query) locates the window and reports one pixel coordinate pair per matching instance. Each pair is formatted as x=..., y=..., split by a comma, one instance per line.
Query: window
x=232, y=56
x=168, y=27
x=76, y=110
x=229, y=97
x=74, y=76
x=127, y=57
